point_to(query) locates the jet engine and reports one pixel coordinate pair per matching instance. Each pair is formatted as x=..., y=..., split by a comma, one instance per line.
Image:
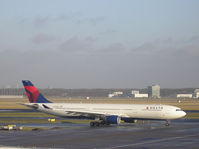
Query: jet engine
x=113, y=119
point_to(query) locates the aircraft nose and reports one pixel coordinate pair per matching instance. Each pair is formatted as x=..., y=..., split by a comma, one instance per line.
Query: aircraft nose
x=183, y=113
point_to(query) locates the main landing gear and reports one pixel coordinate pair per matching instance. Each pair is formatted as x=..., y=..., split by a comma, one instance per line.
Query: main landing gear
x=98, y=123
x=167, y=123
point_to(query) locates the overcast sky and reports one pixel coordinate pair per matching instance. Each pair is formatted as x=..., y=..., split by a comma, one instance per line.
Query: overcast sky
x=100, y=43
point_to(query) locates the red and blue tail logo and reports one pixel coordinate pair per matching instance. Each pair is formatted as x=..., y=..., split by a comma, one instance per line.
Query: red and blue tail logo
x=33, y=93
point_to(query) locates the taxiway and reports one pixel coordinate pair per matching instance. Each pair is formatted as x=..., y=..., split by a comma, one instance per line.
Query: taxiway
x=181, y=134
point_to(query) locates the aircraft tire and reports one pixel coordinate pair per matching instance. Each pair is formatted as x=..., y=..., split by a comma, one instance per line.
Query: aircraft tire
x=97, y=124
x=92, y=124
x=167, y=123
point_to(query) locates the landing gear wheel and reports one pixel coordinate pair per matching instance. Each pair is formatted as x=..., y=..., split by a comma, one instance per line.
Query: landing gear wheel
x=95, y=124
x=92, y=124
x=167, y=123
x=104, y=123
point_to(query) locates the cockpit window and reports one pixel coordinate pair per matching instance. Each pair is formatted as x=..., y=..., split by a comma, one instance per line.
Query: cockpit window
x=178, y=110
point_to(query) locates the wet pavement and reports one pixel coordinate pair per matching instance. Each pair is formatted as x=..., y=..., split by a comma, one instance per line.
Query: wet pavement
x=181, y=134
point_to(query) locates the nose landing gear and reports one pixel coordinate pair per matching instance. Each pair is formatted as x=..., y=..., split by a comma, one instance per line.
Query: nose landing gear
x=167, y=123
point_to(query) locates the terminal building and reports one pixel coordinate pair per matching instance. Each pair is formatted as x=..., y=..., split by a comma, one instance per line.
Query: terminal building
x=115, y=94
x=196, y=93
x=140, y=95
x=184, y=96
x=136, y=94
x=154, y=91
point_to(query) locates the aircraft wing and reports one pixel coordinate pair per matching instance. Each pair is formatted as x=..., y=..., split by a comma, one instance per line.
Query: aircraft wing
x=93, y=113
x=78, y=112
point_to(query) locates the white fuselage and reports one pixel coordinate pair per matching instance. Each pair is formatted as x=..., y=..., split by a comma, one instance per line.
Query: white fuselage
x=136, y=111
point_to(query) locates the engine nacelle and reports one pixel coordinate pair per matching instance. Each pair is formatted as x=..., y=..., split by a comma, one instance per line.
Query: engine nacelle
x=113, y=119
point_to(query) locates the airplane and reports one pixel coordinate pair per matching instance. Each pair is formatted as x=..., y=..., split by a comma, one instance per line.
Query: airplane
x=103, y=114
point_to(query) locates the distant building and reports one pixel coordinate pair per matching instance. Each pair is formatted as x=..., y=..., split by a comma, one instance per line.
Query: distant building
x=140, y=95
x=115, y=94
x=184, y=95
x=196, y=93
x=135, y=92
x=154, y=91
x=110, y=95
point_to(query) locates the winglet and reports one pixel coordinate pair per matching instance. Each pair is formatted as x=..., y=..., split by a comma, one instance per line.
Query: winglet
x=33, y=93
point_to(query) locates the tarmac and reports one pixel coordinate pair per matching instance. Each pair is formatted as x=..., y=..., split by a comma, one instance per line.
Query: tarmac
x=180, y=134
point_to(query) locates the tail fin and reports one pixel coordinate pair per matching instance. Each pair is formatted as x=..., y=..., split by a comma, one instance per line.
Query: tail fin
x=33, y=93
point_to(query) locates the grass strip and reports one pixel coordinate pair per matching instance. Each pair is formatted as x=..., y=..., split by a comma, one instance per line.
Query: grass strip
x=42, y=121
x=192, y=116
x=25, y=114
